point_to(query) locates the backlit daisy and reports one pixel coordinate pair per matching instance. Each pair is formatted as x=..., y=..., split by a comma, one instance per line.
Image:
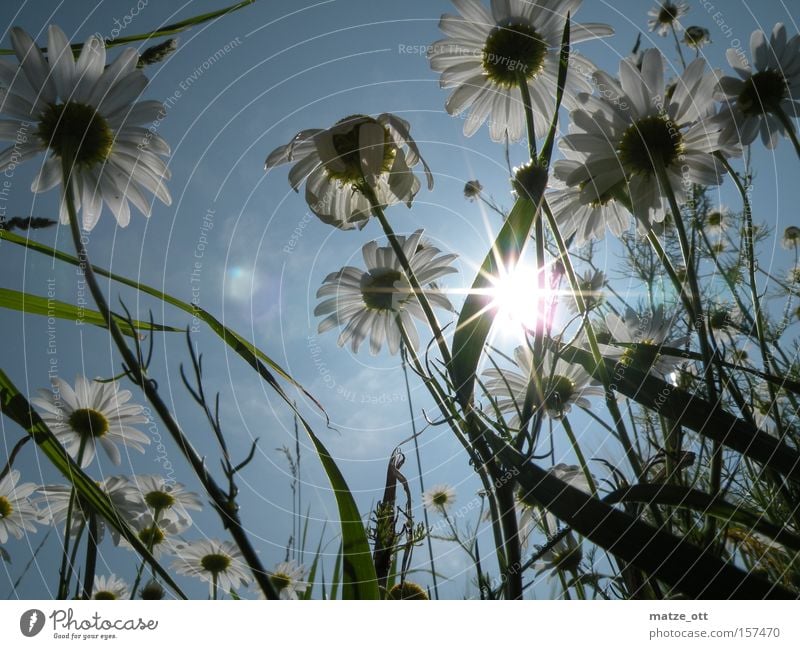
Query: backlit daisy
x=486, y=53
x=439, y=498
x=564, y=385
x=287, y=578
x=56, y=500
x=85, y=112
x=337, y=163
x=369, y=303
x=156, y=534
x=754, y=100
x=621, y=140
x=217, y=562
x=591, y=285
x=111, y=587
x=92, y=413
x=17, y=513
x=642, y=337
x=666, y=16
x=565, y=555
x=696, y=37
x=791, y=237
x=167, y=499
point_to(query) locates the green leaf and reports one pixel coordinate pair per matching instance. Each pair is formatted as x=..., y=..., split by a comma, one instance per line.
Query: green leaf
x=686, y=568
x=337, y=568
x=312, y=572
x=677, y=496
x=256, y=358
x=37, y=305
x=693, y=412
x=167, y=30
x=358, y=572
x=477, y=314
x=14, y=406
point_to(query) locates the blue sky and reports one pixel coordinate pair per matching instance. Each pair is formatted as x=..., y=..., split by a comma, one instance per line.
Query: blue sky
x=292, y=66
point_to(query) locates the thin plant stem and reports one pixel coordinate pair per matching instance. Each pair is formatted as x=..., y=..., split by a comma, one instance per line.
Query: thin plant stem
x=419, y=468
x=63, y=578
x=225, y=508
x=579, y=454
x=790, y=129
x=678, y=45
x=91, y=557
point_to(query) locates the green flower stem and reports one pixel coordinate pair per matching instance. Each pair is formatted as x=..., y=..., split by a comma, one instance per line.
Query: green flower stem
x=419, y=466
x=91, y=557
x=427, y=309
x=678, y=45
x=611, y=402
x=766, y=355
x=63, y=576
x=452, y=416
x=525, y=91
x=579, y=454
x=698, y=322
x=225, y=508
x=790, y=128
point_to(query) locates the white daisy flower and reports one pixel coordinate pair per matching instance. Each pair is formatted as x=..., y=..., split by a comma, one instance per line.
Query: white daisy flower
x=156, y=534
x=791, y=238
x=586, y=219
x=439, y=498
x=717, y=220
x=485, y=54
x=287, y=578
x=17, y=512
x=644, y=336
x=591, y=285
x=472, y=189
x=111, y=587
x=337, y=162
x=168, y=499
x=696, y=37
x=565, y=555
x=619, y=137
x=217, y=562
x=85, y=112
x=92, y=413
x=754, y=99
x=666, y=16
x=564, y=385
x=123, y=496
x=370, y=302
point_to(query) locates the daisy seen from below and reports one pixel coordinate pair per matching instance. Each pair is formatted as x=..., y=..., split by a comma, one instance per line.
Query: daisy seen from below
x=217, y=562
x=439, y=498
x=122, y=495
x=564, y=385
x=665, y=17
x=287, y=578
x=642, y=338
x=17, y=512
x=764, y=99
x=89, y=414
x=156, y=534
x=85, y=114
x=696, y=37
x=590, y=287
x=376, y=302
x=163, y=498
x=625, y=140
x=111, y=587
x=488, y=53
x=357, y=158
x=791, y=238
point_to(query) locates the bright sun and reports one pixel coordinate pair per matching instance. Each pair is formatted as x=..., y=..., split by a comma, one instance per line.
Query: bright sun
x=519, y=300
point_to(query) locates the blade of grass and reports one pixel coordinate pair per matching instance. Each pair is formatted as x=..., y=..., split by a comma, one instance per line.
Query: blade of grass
x=38, y=305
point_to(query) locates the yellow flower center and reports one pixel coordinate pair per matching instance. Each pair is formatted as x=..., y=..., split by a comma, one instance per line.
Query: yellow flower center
x=763, y=92
x=104, y=594
x=407, y=590
x=377, y=288
x=511, y=50
x=649, y=141
x=215, y=563
x=151, y=536
x=76, y=132
x=5, y=507
x=560, y=390
x=88, y=422
x=348, y=149
x=642, y=355
x=159, y=500
x=668, y=14
x=440, y=498
x=280, y=580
